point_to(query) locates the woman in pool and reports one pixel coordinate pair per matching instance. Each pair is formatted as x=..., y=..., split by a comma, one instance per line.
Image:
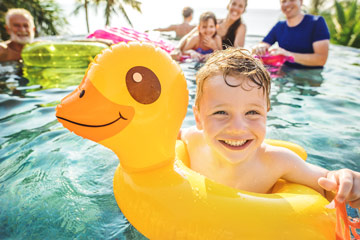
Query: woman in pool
x=231, y=29
x=200, y=45
x=302, y=36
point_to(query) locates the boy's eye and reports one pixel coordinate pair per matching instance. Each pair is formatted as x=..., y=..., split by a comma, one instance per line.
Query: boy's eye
x=252, y=112
x=220, y=113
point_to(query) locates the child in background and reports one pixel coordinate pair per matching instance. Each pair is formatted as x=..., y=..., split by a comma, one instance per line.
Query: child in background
x=206, y=41
x=227, y=144
x=183, y=28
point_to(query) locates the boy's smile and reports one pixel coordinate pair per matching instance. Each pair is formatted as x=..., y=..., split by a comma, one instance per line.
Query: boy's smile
x=233, y=118
x=235, y=144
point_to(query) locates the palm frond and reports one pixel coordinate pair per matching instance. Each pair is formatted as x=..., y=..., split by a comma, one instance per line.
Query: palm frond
x=134, y=4
x=352, y=10
x=77, y=9
x=122, y=10
x=340, y=15
x=352, y=40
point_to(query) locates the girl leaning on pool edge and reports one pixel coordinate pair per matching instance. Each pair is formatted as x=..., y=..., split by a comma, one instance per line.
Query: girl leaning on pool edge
x=302, y=36
x=231, y=29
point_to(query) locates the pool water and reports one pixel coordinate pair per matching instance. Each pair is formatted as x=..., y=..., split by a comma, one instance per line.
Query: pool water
x=56, y=185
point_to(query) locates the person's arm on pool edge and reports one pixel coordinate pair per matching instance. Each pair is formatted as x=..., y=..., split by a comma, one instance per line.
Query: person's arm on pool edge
x=318, y=58
x=177, y=52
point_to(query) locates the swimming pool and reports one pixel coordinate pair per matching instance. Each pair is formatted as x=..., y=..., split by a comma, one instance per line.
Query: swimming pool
x=54, y=184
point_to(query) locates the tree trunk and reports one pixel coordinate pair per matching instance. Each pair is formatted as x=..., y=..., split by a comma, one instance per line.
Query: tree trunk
x=86, y=15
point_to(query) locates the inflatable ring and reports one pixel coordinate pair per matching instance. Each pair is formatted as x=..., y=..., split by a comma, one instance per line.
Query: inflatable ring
x=65, y=54
x=275, y=60
x=123, y=34
x=133, y=100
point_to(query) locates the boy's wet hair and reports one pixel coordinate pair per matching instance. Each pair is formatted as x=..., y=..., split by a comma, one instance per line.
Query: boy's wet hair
x=234, y=62
x=187, y=12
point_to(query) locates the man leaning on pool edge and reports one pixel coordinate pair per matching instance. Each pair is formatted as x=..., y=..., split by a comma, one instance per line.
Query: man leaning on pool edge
x=19, y=24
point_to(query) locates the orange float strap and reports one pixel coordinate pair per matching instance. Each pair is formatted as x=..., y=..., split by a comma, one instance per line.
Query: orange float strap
x=345, y=223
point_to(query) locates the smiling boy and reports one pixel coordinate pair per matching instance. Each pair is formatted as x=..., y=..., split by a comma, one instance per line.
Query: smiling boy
x=227, y=144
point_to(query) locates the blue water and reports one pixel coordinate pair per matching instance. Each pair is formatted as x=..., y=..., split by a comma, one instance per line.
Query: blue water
x=56, y=185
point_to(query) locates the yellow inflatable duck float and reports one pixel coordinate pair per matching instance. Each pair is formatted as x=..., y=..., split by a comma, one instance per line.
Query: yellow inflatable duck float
x=133, y=100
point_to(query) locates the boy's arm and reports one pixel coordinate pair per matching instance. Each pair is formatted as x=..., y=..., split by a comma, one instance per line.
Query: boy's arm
x=345, y=182
x=295, y=169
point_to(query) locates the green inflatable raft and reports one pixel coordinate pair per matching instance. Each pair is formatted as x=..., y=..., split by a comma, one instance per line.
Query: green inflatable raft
x=66, y=54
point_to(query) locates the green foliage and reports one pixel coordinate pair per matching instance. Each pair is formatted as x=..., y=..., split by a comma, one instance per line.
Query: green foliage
x=83, y=4
x=344, y=24
x=47, y=15
x=316, y=6
x=112, y=5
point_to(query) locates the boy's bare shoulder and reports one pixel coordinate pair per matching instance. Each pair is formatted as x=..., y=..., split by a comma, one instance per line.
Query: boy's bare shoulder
x=280, y=155
x=281, y=160
x=189, y=133
x=192, y=136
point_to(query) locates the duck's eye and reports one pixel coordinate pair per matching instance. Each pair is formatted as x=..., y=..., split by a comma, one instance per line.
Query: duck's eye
x=143, y=85
x=82, y=93
x=137, y=77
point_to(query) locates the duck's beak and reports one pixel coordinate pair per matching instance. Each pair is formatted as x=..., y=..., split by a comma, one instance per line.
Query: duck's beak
x=89, y=114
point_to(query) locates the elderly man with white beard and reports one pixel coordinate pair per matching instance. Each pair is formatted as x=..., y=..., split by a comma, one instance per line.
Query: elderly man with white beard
x=19, y=24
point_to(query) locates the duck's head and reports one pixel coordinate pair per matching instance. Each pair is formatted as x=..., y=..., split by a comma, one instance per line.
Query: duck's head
x=132, y=99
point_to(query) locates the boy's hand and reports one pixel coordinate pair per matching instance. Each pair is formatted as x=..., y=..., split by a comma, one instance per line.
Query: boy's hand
x=346, y=183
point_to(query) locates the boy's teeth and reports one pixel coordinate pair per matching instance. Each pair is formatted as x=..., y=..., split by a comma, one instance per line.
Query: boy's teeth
x=235, y=143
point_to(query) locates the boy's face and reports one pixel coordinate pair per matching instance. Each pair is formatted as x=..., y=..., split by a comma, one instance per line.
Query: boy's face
x=233, y=118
